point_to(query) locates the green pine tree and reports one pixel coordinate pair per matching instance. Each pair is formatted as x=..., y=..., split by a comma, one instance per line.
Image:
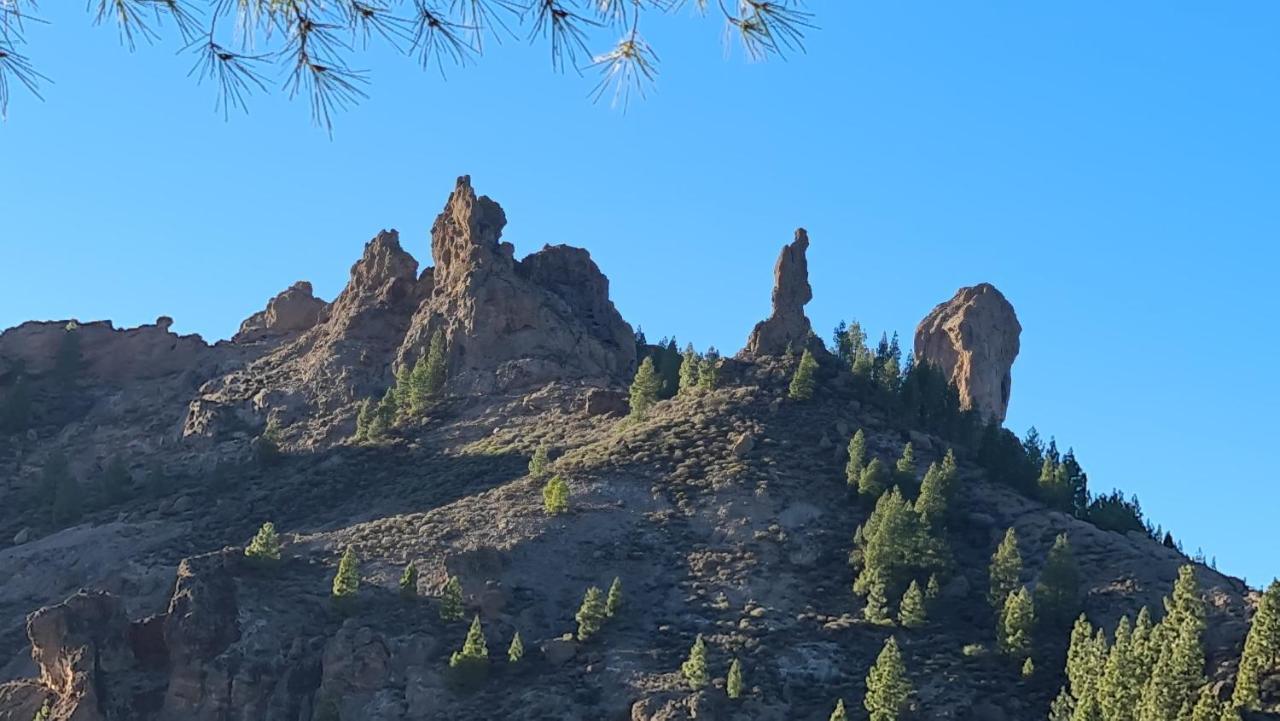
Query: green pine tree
x=1087, y=709
x=401, y=392
x=555, y=496
x=1261, y=650
x=933, y=589
x=515, y=651
x=364, y=420
x=709, y=371
x=934, y=502
x=888, y=689
x=437, y=365
x=1028, y=668
x=875, y=479
x=613, y=603
x=474, y=656
x=839, y=713
x=409, y=581
x=266, y=447
x=1005, y=570
x=911, y=612
x=644, y=389
x=905, y=468
x=1085, y=660
x=733, y=684
x=384, y=416
x=451, y=607
x=346, y=582
x=1120, y=686
x=265, y=546
x=1016, y=623
x=591, y=614
x=876, y=609
x=857, y=458
x=804, y=381
x=1058, y=590
x=1207, y=707
x=694, y=669
x=1062, y=707
x=539, y=463
x=690, y=369
x=418, y=394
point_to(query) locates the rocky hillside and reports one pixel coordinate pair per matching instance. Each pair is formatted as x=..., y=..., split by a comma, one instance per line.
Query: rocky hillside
x=724, y=511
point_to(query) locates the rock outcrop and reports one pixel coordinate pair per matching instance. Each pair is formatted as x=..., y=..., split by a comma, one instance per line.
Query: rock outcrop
x=973, y=339
x=787, y=328
x=102, y=352
x=294, y=310
x=515, y=324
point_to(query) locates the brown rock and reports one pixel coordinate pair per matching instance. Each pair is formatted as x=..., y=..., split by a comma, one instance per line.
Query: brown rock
x=79, y=645
x=787, y=329
x=295, y=309
x=973, y=339
x=601, y=401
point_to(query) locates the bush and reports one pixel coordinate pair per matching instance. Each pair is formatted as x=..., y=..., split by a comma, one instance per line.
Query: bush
x=555, y=496
x=538, y=463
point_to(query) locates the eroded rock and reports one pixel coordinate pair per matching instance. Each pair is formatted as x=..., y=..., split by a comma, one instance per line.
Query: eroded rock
x=294, y=310
x=787, y=329
x=973, y=338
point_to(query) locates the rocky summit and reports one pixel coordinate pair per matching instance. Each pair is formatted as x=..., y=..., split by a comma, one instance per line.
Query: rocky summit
x=464, y=492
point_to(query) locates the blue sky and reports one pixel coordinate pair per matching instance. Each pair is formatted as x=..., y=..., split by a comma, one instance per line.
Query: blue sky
x=1113, y=168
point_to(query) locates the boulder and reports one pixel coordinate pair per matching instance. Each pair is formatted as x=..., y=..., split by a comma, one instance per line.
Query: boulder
x=787, y=328
x=973, y=339
x=602, y=402
x=294, y=310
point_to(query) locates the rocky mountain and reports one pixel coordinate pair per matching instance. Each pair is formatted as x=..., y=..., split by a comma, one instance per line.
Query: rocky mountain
x=725, y=511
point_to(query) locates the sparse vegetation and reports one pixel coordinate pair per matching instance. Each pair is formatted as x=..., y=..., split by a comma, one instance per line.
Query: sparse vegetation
x=539, y=463
x=614, y=602
x=265, y=546
x=473, y=659
x=555, y=496
x=515, y=652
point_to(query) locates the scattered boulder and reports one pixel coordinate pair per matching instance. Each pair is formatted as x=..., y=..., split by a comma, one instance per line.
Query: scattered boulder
x=787, y=328
x=973, y=338
x=21, y=537
x=602, y=402
x=742, y=445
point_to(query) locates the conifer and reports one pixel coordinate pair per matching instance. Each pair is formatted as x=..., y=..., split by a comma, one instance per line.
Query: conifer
x=265, y=546
x=409, y=581
x=875, y=479
x=1087, y=709
x=1207, y=707
x=905, y=468
x=1084, y=660
x=474, y=655
x=694, y=669
x=1058, y=590
x=591, y=614
x=1261, y=650
x=538, y=463
x=1016, y=623
x=364, y=420
x=1028, y=668
x=266, y=447
x=451, y=608
x=857, y=458
x=933, y=589
x=876, y=609
x=690, y=368
x=384, y=416
x=1119, y=688
x=887, y=686
x=555, y=496
x=1062, y=707
x=733, y=684
x=437, y=365
x=839, y=713
x=346, y=582
x=709, y=371
x=804, y=382
x=1005, y=570
x=911, y=612
x=614, y=601
x=644, y=389
x=401, y=391
x=934, y=501
x=515, y=651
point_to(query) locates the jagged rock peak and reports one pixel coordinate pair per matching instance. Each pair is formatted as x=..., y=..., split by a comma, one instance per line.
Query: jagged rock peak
x=293, y=310
x=974, y=339
x=787, y=328
x=465, y=236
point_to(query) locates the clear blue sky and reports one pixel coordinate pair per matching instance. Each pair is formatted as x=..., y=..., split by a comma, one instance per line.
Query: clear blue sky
x=1113, y=168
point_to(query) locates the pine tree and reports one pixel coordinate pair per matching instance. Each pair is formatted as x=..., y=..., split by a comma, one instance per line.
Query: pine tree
x=266, y=447
x=1208, y=707
x=887, y=686
x=709, y=371
x=401, y=392
x=418, y=392
x=896, y=547
x=911, y=612
x=437, y=365
x=364, y=420
x=933, y=589
x=1087, y=709
x=803, y=382
x=1062, y=707
x=875, y=479
x=346, y=582
x=644, y=389
x=1028, y=668
x=265, y=546
x=1261, y=650
x=384, y=416
x=538, y=463
x=876, y=609
x=694, y=669
x=1085, y=661
x=936, y=489
x=1058, y=590
x=690, y=369
x=1120, y=687
x=1005, y=570
x=591, y=614
x=1016, y=623
x=905, y=468
x=409, y=581
x=613, y=603
x=733, y=684
x=474, y=655
x=1178, y=672
x=889, y=366
x=555, y=496
x=115, y=481
x=451, y=608
x=857, y=458
x=839, y=713
x=515, y=651
x=1144, y=648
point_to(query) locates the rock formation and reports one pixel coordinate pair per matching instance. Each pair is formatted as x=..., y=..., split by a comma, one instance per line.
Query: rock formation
x=787, y=328
x=105, y=353
x=294, y=310
x=973, y=339
x=515, y=324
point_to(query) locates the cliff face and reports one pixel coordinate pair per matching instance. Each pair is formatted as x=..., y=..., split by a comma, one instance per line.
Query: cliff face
x=724, y=513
